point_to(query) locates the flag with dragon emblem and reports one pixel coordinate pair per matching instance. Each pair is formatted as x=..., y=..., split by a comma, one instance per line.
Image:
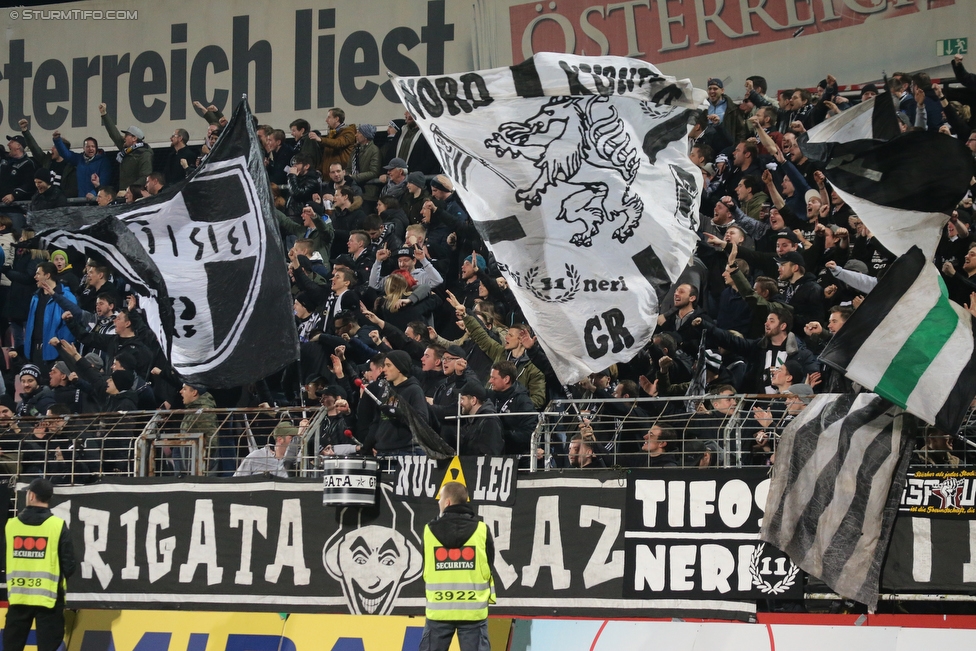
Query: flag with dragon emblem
x=575, y=173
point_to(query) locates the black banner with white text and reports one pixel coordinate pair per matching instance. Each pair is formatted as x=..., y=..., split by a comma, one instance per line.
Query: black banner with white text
x=655, y=543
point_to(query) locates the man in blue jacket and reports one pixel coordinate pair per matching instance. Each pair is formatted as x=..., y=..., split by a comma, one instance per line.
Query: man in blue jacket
x=89, y=162
x=44, y=318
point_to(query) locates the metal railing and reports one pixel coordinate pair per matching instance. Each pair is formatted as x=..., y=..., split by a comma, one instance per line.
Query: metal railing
x=704, y=431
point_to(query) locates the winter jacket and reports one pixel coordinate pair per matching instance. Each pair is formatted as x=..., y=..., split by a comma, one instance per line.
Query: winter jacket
x=447, y=394
x=806, y=297
x=137, y=161
x=65, y=169
x=516, y=430
x=114, y=345
x=17, y=178
x=53, y=197
x=368, y=169
x=300, y=190
x=200, y=422
x=528, y=375
x=53, y=325
x=480, y=436
x=36, y=403
x=336, y=146
x=456, y=525
x=85, y=167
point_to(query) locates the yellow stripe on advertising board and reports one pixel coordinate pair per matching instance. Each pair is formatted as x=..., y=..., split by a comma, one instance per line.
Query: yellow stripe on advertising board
x=153, y=630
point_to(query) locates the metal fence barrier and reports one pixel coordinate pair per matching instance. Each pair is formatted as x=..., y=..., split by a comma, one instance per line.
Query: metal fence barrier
x=704, y=431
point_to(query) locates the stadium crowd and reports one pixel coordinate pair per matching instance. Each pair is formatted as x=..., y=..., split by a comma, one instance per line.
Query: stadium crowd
x=392, y=285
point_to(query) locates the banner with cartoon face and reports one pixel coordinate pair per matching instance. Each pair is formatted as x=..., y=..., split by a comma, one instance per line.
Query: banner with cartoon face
x=566, y=545
x=576, y=175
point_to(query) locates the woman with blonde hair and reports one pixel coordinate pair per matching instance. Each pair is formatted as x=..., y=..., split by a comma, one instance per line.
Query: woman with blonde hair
x=404, y=300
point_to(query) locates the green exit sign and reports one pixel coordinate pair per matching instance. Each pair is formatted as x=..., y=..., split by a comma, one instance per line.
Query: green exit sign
x=951, y=46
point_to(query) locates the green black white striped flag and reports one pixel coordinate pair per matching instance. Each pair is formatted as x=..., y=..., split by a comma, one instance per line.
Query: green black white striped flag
x=911, y=345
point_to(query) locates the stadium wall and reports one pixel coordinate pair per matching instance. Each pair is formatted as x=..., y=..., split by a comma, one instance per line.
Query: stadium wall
x=149, y=60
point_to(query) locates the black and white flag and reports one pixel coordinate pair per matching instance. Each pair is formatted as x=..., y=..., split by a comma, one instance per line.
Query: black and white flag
x=837, y=483
x=902, y=186
x=205, y=258
x=574, y=170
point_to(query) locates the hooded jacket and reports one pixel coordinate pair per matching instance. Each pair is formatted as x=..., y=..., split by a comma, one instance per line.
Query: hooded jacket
x=456, y=525
x=391, y=431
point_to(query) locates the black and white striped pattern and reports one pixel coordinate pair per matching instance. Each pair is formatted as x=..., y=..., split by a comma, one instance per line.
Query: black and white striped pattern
x=839, y=473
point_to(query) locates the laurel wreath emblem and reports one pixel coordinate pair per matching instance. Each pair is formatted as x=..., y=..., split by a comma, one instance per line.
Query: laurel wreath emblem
x=764, y=586
x=527, y=281
x=564, y=297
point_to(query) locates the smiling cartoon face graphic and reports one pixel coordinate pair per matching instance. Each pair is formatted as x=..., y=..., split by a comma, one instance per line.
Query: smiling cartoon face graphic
x=372, y=563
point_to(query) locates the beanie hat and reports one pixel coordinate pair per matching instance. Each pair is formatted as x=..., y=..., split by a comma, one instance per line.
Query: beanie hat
x=95, y=360
x=123, y=379
x=306, y=300
x=58, y=252
x=44, y=175
x=31, y=370
x=401, y=360
x=368, y=131
x=61, y=366
x=417, y=178
x=480, y=262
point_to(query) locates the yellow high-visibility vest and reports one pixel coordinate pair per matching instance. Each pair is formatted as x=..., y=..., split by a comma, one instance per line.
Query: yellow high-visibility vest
x=33, y=566
x=459, y=581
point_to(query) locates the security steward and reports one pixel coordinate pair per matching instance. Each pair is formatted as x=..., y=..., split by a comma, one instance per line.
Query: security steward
x=458, y=555
x=40, y=558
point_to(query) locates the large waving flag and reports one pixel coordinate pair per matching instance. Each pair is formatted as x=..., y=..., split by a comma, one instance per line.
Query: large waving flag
x=902, y=186
x=205, y=258
x=910, y=344
x=838, y=479
x=575, y=172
